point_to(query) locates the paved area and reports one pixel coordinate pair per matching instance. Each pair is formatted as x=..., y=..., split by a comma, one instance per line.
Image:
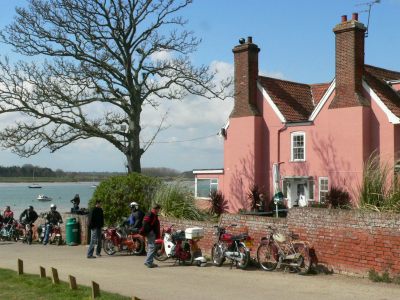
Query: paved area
x=128, y=276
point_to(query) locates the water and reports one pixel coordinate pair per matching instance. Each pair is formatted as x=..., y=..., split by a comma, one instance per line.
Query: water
x=19, y=196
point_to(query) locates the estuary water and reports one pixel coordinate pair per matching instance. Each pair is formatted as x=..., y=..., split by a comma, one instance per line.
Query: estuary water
x=19, y=196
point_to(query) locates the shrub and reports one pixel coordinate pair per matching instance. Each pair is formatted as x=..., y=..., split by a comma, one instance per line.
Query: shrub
x=379, y=191
x=218, y=203
x=254, y=196
x=178, y=202
x=117, y=192
x=338, y=198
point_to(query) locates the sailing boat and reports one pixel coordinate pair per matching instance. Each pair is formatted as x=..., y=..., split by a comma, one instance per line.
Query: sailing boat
x=34, y=185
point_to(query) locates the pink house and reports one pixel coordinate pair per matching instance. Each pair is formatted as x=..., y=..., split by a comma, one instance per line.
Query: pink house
x=320, y=135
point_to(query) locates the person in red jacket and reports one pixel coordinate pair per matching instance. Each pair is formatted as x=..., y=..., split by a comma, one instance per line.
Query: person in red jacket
x=8, y=215
x=151, y=229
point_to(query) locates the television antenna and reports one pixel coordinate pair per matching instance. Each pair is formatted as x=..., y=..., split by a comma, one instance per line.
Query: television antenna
x=368, y=10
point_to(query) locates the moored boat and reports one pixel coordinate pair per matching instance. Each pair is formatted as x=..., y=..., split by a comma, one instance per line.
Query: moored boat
x=43, y=198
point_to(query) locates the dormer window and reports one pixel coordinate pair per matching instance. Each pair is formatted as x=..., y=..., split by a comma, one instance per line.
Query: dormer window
x=298, y=146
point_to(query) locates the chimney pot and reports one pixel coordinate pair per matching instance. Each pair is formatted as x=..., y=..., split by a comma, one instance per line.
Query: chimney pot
x=344, y=18
x=354, y=17
x=249, y=40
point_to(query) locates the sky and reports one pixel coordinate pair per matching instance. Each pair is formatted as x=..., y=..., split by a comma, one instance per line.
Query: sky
x=296, y=42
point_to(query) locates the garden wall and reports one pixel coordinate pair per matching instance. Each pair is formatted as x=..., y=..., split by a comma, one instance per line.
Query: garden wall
x=344, y=241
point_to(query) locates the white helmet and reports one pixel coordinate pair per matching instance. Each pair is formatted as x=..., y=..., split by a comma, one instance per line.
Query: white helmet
x=53, y=205
x=134, y=204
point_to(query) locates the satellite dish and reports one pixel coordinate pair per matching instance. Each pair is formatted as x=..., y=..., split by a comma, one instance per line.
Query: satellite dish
x=242, y=41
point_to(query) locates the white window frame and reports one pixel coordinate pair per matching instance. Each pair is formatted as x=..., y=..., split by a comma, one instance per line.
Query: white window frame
x=319, y=187
x=211, y=184
x=292, y=135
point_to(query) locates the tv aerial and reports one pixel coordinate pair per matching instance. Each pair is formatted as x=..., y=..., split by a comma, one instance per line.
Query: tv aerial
x=368, y=10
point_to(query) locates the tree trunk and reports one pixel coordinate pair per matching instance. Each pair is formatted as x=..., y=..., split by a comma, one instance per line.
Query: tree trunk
x=134, y=152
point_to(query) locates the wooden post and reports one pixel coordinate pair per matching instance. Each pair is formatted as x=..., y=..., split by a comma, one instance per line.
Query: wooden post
x=95, y=290
x=42, y=272
x=72, y=282
x=54, y=272
x=20, y=267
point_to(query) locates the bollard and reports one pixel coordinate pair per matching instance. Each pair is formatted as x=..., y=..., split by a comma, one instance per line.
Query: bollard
x=42, y=272
x=95, y=290
x=72, y=282
x=20, y=267
x=55, y=278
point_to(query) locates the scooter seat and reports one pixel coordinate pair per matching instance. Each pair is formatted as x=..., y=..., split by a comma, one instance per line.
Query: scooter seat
x=240, y=237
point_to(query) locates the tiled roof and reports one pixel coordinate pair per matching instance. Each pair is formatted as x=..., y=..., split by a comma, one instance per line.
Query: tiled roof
x=294, y=100
x=318, y=91
x=376, y=79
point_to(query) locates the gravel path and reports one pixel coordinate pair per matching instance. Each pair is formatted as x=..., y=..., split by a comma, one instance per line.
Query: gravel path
x=128, y=276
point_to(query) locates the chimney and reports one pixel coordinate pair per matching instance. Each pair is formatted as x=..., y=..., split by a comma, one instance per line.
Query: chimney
x=246, y=74
x=349, y=62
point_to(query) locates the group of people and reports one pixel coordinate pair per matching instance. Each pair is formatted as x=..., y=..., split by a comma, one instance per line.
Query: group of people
x=148, y=225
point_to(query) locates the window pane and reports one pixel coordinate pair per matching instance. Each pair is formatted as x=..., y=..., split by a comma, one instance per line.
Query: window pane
x=298, y=146
x=311, y=189
x=203, y=188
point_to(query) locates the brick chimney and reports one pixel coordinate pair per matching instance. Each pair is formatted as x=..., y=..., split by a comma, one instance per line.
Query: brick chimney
x=349, y=63
x=246, y=74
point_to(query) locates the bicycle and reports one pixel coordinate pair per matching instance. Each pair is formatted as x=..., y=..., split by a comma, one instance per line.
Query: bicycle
x=277, y=250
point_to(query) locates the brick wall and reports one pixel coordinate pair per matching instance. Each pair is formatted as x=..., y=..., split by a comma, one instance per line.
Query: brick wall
x=350, y=242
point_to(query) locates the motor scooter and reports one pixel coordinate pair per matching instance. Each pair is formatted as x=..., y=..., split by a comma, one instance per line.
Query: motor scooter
x=10, y=231
x=236, y=248
x=181, y=246
x=55, y=236
x=118, y=239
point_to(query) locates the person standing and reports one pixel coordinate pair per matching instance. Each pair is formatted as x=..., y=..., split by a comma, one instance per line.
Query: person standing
x=96, y=222
x=151, y=229
x=75, y=202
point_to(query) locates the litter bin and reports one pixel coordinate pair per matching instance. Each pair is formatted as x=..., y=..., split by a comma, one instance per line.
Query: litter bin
x=72, y=232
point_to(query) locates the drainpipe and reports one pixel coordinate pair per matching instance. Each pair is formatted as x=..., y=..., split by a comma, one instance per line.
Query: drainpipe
x=283, y=128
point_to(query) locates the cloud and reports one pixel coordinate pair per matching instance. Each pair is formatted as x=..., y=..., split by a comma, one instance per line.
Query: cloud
x=193, y=117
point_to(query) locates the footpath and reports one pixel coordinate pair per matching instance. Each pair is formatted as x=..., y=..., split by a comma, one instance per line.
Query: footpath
x=128, y=276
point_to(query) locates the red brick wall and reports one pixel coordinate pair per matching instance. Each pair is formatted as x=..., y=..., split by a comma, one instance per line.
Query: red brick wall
x=351, y=242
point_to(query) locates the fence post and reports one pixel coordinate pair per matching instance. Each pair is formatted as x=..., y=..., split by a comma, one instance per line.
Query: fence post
x=20, y=267
x=95, y=290
x=54, y=272
x=72, y=282
x=42, y=272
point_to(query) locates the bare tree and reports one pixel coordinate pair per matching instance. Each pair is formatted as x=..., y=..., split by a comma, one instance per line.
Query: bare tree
x=88, y=55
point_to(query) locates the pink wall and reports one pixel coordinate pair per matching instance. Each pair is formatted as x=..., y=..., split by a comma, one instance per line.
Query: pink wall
x=338, y=143
x=243, y=152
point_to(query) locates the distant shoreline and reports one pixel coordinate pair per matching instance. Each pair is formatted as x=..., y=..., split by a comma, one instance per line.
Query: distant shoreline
x=46, y=180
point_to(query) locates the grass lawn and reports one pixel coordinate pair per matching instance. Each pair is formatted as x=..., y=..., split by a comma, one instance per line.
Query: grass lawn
x=14, y=286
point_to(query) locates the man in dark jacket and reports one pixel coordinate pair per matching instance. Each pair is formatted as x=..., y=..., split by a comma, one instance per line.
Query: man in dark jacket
x=135, y=220
x=96, y=222
x=28, y=216
x=75, y=202
x=151, y=229
x=53, y=218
